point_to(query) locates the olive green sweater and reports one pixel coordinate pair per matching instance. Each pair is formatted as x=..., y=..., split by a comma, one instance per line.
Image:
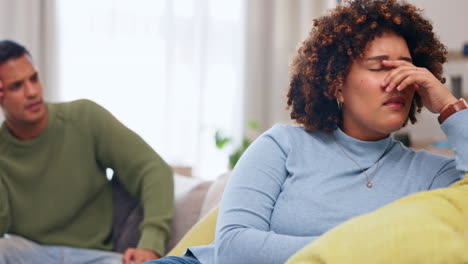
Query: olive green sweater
x=54, y=190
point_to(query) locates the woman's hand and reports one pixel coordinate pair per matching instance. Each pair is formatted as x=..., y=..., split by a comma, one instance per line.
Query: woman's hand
x=435, y=96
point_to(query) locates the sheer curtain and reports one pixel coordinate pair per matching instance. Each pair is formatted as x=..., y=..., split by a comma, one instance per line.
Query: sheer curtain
x=274, y=30
x=32, y=23
x=171, y=70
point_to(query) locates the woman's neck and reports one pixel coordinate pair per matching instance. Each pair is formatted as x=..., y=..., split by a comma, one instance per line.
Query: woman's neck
x=362, y=134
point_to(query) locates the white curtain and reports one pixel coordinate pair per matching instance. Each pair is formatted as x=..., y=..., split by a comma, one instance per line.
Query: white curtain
x=32, y=23
x=171, y=70
x=274, y=30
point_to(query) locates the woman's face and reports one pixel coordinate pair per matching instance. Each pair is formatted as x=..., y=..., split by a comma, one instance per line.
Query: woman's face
x=370, y=113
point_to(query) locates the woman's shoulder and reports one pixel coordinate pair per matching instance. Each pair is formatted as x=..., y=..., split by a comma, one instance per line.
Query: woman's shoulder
x=285, y=129
x=422, y=155
x=291, y=134
x=294, y=130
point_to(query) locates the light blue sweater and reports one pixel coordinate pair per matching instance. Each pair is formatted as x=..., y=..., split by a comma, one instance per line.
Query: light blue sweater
x=291, y=186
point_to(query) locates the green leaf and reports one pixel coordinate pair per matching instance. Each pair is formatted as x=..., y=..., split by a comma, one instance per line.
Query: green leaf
x=221, y=140
x=234, y=158
x=252, y=124
x=246, y=142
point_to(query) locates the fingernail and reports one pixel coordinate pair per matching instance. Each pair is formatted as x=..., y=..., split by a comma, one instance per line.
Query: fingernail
x=387, y=89
x=398, y=88
x=384, y=83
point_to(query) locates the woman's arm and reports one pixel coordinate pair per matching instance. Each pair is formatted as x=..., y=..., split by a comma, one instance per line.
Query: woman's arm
x=455, y=128
x=243, y=232
x=436, y=98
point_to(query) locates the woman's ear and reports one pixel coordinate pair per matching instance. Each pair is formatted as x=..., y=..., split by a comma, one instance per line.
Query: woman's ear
x=339, y=95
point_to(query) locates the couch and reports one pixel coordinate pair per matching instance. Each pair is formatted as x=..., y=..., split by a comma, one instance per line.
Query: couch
x=194, y=199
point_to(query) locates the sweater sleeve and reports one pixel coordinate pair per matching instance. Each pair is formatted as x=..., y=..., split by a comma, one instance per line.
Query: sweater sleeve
x=243, y=232
x=140, y=169
x=456, y=129
x=4, y=210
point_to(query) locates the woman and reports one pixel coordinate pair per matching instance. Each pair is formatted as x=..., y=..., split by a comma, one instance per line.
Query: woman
x=362, y=74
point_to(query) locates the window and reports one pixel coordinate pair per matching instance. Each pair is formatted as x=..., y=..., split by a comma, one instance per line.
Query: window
x=171, y=70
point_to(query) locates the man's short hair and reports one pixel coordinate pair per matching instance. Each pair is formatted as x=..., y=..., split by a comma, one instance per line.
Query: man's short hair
x=11, y=50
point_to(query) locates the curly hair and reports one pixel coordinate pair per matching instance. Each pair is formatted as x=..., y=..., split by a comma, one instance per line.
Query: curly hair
x=338, y=39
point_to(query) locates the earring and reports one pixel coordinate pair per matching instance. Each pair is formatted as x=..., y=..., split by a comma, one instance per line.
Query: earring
x=339, y=103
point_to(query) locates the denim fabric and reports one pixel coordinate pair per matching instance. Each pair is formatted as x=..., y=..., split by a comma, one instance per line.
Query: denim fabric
x=18, y=250
x=174, y=260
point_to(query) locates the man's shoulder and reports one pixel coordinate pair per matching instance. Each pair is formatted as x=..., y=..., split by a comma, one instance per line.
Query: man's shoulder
x=76, y=109
x=76, y=104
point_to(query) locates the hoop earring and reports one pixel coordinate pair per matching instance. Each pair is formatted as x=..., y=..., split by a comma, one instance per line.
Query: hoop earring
x=339, y=103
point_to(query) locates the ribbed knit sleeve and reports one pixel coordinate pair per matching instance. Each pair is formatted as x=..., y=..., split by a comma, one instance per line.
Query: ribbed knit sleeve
x=456, y=129
x=243, y=232
x=4, y=209
x=140, y=169
x=452, y=170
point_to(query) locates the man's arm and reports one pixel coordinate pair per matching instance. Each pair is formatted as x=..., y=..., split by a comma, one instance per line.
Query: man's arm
x=4, y=206
x=4, y=210
x=140, y=169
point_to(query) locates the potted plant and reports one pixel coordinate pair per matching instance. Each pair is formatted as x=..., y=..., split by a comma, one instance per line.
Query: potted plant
x=222, y=141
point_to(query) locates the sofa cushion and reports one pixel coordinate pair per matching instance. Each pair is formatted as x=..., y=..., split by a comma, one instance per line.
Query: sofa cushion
x=214, y=194
x=126, y=216
x=187, y=212
x=204, y=231
x=426, y=227
x=193, y=199
x=189, y=195
x=200, y=234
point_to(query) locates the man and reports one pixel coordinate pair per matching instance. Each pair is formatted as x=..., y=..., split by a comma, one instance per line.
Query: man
x=55, y=199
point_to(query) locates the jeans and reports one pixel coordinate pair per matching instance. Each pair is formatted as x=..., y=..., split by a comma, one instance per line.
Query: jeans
x=18, y=250
x=174, y=260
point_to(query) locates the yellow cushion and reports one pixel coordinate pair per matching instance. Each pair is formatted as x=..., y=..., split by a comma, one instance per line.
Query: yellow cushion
x=426, y=227
x=202, y=233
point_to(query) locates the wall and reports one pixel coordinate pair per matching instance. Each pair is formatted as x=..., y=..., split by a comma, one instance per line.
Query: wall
x=449, y=19
x=451, y=25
